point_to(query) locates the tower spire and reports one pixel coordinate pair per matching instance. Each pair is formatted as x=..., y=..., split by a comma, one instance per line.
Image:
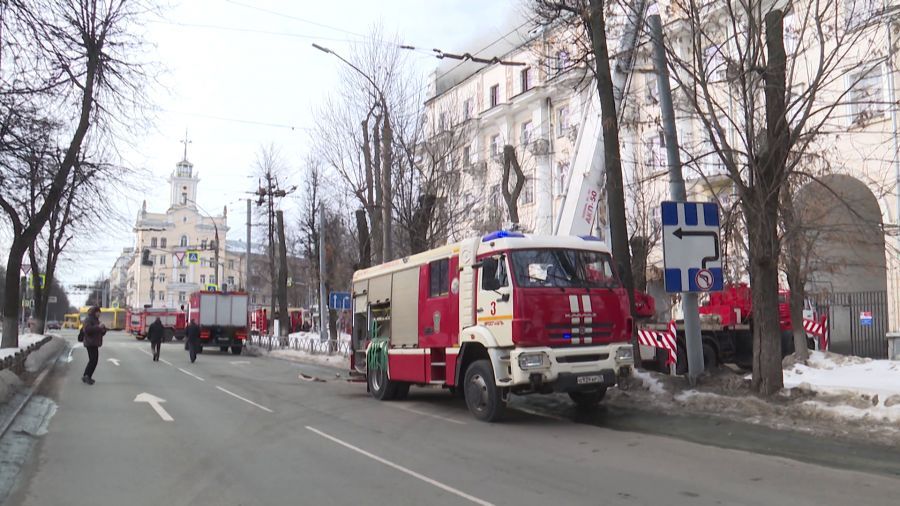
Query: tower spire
x=186, y=141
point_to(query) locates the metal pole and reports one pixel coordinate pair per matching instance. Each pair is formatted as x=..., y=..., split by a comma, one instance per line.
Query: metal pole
x=323, y=300
x=247, y=267
x=892, y=98
x=677, y=192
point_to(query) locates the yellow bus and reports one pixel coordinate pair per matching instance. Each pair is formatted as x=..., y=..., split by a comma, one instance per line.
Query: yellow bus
x=113, y=318
x=71, y=321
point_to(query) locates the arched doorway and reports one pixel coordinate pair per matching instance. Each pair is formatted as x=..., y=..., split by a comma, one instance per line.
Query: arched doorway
x=842, y=226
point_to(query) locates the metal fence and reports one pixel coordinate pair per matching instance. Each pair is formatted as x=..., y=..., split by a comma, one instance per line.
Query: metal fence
x=311, y=345
x=851, y=331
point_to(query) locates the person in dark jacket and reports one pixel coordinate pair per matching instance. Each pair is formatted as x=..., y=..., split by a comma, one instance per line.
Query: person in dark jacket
x=155, y=334
x=192, y=339
x=93, y=332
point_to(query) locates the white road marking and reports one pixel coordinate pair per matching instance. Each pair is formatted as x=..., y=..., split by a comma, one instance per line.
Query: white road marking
x=145, y=352
x=155, y=403
x=248, y=401
x=115, y=361
x=189, y=373
x=239, y=362
x=402, y=469
x=165, y=361
x=423, y=413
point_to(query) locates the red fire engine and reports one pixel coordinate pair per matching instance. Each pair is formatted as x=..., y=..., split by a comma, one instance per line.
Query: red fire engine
x=137, y=322
x=504, y=314
x=222, y=317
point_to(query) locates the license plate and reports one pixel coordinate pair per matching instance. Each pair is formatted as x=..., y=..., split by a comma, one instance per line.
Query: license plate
x=588, y=380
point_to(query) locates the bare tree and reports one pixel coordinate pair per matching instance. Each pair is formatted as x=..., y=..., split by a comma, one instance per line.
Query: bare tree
x=761, y=107
x=61, y=60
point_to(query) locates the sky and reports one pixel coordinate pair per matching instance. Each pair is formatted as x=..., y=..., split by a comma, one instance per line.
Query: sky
x=241, y=74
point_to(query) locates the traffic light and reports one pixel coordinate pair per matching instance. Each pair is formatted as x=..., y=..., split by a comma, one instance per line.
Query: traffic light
x=145, y=257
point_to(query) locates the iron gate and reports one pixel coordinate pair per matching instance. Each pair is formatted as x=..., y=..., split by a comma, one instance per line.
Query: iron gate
x=847, y=332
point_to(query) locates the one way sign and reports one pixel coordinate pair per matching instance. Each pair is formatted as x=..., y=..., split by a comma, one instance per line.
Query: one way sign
x=691, y=251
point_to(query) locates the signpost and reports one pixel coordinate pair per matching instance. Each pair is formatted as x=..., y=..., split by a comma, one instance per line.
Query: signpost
x=691, y=250
x=339, y=300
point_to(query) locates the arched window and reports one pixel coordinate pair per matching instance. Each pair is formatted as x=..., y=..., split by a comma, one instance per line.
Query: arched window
x=183, y=241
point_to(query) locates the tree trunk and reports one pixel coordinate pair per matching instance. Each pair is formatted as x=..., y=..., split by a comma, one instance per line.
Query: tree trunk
x=387, y=139
x=640, y=251
x=793, y=263
x=798, y=294
x=511, y=161
x=421, y=220
x=373, y=194
x=283, y=316
x=11, y=301
x=375, y=214
x=762, y=228
x=365, y=246
x=612, y=158
x=39, y=296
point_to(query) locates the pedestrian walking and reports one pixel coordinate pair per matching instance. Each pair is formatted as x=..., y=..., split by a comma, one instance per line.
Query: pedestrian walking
x=91, y=334
x=155, y=333
x=192, y=339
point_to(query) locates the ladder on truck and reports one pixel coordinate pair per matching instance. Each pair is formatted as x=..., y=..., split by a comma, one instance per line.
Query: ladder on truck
x=582, y=199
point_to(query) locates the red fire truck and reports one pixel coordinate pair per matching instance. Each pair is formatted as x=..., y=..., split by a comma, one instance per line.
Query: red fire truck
x=222, y=317
x=487, y=317
x=137, y=322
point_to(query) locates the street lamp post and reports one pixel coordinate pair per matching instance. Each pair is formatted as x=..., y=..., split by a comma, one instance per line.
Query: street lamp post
x=387, y=139
x=216, y=241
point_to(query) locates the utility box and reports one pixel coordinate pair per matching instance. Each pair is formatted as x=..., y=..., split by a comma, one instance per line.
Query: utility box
x=893, y=342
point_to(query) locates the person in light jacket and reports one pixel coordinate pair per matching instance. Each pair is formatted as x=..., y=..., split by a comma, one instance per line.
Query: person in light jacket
x=93, y=332
x=155, y=334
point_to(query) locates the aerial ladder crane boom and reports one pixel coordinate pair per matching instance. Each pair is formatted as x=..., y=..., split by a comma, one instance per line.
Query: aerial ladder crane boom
x=582, y=199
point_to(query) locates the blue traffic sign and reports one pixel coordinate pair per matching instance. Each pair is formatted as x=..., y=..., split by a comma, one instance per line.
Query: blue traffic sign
x=339, y=300
x=691, y=252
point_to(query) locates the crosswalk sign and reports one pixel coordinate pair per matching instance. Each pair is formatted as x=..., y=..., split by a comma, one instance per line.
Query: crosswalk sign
x=212, y=288
x=193, y=257
x=42, y=279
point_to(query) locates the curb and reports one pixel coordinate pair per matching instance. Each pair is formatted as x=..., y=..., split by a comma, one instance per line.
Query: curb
x=6, y=424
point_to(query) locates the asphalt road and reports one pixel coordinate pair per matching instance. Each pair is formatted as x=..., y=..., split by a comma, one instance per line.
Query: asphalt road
x=249, y=431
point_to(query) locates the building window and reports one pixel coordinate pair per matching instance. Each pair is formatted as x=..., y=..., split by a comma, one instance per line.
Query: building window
x=442, y=121
x=562, y=171
x=526, y=133
x=182, y=278
x=162, y=295
x=466, y=153
x=495, y=95
x=203, y=244
x=860, y=12
x=495, y=196
x=162, y=242
x=439, y=278
x=468, y=108
x=865, y=94
x=230, y=280
x=714, y=59
x=525, y=77
x=528, y=191
x=161, y=278
x=184, y=198
x=153, y=242
x=562, y=60
x=184, y=241
x=562, y=121
x=181, y=296
x=231, y=264
x=212, y=279
x=495, y=145
x=253, y=299
x=162, y=260
x=203, y=279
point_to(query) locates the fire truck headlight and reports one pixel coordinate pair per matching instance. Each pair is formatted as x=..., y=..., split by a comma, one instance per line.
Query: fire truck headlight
x=531, y=360
x=625, y=354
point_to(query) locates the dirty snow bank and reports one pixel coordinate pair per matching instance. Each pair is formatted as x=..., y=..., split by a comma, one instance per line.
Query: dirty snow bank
x=25, y=340
x=832, y=373
x=9, y=383
x=37, y=358
x=303, y=356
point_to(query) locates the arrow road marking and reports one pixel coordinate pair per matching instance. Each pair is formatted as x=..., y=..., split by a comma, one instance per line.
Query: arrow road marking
x=114, y=361
x=248, y=401
x=189, y=373
x=155, y=403
x=680, y=233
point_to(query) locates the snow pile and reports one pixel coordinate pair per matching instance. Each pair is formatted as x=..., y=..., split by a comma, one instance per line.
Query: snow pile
x=51, y=349
x=9, y=383
x=650, y=382
x=850, y=387
x=342, y=337
x=304, y=356
x=25, y=340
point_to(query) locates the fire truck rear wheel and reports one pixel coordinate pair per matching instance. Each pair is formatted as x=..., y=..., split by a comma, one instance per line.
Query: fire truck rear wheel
x=588, y=400
x=483, y=398
x=139, y=337
x=236, y=350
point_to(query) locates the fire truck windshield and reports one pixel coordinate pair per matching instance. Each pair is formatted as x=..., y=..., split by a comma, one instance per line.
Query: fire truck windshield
x=561, y=268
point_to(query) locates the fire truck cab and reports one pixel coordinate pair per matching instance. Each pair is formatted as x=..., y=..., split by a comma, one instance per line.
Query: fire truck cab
x=487, y=317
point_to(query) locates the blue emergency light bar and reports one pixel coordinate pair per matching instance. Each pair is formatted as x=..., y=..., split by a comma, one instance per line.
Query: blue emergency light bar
x=500, y=234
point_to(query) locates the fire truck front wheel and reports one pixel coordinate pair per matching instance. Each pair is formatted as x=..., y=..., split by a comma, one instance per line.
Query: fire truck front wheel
x=483, y=398
x=383, y=388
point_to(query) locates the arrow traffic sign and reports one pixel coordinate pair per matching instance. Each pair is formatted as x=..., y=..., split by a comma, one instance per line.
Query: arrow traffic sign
x=155, y=403
x=691, y=250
